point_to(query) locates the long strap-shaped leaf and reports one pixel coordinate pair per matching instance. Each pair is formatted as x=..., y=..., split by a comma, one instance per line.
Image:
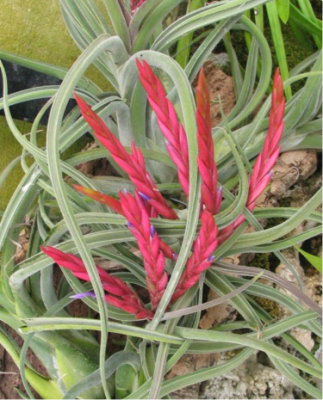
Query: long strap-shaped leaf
x=49, y=69
x=148, y=27
x=103, y=43
x=207, y=15
x=308, y=11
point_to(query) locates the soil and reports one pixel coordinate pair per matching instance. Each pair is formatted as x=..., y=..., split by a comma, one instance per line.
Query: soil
x=221, y=91
x=9, y=373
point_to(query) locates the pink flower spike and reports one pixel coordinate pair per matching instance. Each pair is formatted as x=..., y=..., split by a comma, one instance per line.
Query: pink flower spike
x=206, y=163
x=201, y=258
x=260, y=188
x=167, y=250
x=150, y=245
x=168, y=122
x=270, y=153
x=66, y=260
x=132, y=163
x=131, y=306
x=114, y=285
x=261, y=174
x=109, y=201
x=135, y=4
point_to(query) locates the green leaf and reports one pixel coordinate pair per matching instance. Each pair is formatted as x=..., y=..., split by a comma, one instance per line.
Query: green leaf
x=69, y=360
x=304, y=22
x=184, y=43
x=49, y=69
x=283, y=7
x=117, y=360
x=46, y=388
x=126, y=380
x=277, y=35
x=314, y=260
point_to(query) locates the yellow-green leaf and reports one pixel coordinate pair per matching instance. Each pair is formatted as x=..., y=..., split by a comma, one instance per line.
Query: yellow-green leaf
x=283, y=10
x=314, y=260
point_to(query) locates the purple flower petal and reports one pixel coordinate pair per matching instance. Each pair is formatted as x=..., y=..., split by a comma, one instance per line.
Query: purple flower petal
x=144, y=196
x=152, y=231
x=84, y=294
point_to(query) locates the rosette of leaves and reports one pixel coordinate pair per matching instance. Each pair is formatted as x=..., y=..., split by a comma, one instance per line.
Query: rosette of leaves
x=75, y=360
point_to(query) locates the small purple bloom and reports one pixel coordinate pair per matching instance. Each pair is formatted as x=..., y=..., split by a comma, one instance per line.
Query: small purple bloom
x=211, y=258
x=144, y=196
x=152, y=231
x=84, y=294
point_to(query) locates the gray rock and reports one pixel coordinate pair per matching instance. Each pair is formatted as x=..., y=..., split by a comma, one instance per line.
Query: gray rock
x=250, y=381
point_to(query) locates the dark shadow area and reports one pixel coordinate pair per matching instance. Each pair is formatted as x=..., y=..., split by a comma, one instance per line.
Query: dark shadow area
x=21, y=78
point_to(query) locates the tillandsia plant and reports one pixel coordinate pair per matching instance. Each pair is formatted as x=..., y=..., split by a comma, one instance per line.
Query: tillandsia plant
x=139, y=212
x=165, y=156
x=148, y=202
